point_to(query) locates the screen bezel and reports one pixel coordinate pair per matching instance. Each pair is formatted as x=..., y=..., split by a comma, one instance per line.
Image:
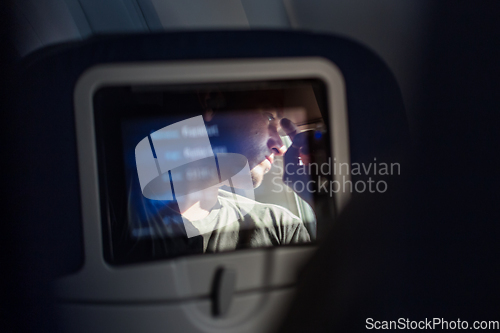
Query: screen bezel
x=113, y=105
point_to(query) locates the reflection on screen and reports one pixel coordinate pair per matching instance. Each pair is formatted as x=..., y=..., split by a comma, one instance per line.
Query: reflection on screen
x=199, y=176
x=199, y=170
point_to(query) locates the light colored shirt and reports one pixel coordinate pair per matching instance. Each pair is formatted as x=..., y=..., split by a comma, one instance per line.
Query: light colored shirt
x=263, y=225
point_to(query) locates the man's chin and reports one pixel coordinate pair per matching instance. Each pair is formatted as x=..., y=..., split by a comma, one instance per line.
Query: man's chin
x=257, y=174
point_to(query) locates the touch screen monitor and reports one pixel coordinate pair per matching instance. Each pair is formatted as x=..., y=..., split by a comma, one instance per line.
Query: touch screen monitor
x=197, y=168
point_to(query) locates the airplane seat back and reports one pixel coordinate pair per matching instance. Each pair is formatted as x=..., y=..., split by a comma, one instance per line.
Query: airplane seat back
x=51, y=216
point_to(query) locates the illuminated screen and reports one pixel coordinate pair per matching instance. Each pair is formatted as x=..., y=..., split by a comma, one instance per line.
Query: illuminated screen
x=200, y=169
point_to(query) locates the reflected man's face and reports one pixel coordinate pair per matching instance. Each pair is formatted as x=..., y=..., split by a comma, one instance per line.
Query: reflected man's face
x=254, y=134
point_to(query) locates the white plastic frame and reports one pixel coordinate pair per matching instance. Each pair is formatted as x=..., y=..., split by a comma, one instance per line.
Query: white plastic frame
x=187, y=277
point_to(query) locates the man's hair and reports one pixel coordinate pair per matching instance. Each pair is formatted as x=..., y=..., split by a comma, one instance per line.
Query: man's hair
x=244, y=100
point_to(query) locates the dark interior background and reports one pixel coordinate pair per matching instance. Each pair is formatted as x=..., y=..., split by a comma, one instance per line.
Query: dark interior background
x=437, y=254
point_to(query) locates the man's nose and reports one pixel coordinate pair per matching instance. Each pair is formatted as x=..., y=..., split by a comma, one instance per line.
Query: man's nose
x=281, y=150
x=275, y=144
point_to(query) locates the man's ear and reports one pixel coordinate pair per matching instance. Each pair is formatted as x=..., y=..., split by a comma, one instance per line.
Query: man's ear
x=208, y=115
x=203, y=97
x=211, y=101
